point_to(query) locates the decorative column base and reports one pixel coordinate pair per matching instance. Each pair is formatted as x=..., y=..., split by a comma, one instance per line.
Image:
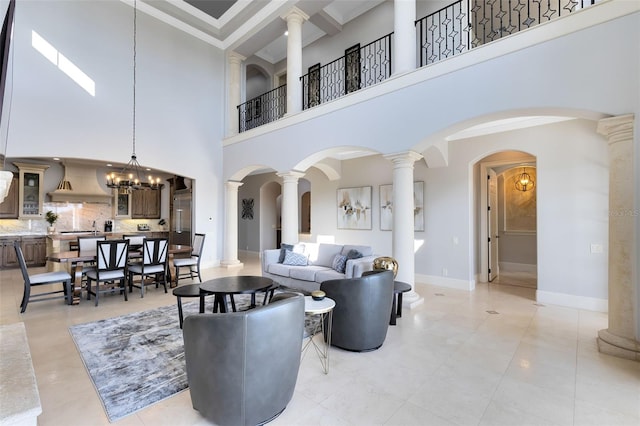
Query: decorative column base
x=412, y=300
x=617, y=346
x=231, y=264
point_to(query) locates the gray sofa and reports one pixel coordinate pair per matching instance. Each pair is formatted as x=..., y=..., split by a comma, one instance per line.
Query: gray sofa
x=319, y=268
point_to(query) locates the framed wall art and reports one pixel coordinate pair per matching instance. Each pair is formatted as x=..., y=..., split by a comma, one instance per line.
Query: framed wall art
x=247, y=208
x=386, y=207
x=354, y=208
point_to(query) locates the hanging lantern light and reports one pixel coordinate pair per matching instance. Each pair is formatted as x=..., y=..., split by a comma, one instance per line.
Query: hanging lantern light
x=524, y=182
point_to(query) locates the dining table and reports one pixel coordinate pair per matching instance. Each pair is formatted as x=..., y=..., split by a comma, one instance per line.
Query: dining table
x=236, y=284
x=76, y=260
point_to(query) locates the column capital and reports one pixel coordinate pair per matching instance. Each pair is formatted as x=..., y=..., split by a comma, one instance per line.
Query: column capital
x=618, y=128
x=235, y=58
x=290, y=176
x=294, y=15
x=233, y=184
x=403, y=159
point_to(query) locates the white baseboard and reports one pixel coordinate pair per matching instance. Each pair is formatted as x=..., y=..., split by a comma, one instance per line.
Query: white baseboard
x=517, y=267
x=571, y=301
x=446, y=282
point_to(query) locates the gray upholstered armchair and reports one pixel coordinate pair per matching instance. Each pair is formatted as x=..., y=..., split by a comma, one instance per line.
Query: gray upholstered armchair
x=242, y=367
x=362, y=312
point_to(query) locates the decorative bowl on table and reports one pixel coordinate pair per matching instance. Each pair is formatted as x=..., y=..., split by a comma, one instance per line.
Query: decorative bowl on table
x=317, y=295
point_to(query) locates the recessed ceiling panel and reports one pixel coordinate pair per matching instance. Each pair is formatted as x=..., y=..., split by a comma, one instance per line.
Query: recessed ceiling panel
x=214, y=8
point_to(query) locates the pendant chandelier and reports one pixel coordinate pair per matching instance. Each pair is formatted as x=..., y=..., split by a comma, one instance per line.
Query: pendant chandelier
x=130, y=177
x=524, y=182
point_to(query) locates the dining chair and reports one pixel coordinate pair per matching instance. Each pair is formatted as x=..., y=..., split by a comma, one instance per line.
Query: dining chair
x=88, y=245
x=155, y=256
x=111, y=264
x=193, y=262
x=41, y=279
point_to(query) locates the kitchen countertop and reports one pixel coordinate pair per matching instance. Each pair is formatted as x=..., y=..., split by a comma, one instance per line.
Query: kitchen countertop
x=74, y=235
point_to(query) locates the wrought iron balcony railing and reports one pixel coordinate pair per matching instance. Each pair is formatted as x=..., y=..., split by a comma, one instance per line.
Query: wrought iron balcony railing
x=263, y=109
x=466, y=24
x=452, y=30
x=360, y=67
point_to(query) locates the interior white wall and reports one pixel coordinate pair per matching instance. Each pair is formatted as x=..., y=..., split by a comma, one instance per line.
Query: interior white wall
x=179, y=90
x=573, y=191
x=572, y=179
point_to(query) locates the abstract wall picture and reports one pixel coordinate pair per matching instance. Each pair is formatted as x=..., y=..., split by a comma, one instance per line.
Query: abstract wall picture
x=386, y=207
x=247, y=208
x=354, y=208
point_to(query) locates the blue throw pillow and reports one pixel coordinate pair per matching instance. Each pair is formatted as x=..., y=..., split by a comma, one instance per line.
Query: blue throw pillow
x=295, y=259
x=283, y=251
x=354, y=254
x=339, y=263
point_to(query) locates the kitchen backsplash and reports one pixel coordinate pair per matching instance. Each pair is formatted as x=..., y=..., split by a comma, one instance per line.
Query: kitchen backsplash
x=77, y=217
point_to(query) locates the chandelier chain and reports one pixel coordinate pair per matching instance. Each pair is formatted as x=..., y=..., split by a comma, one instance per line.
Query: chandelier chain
x=135, y=36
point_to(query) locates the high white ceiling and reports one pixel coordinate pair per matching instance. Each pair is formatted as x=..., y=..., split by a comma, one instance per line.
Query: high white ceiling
x=254, y=27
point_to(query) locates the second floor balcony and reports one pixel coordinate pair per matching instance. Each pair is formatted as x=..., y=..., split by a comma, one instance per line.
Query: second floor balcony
x=452, y=30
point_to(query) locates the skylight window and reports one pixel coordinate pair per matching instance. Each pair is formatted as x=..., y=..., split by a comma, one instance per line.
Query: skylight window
x=63, y=64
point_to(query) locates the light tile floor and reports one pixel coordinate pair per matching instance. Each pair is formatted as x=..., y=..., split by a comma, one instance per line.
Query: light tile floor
x=447, y=362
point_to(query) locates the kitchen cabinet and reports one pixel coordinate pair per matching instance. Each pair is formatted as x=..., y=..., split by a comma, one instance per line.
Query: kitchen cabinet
x=33, y=249
x=9, y=207
x=145, y=204
x=8, y=258
x=30, y=190
x=121, y=204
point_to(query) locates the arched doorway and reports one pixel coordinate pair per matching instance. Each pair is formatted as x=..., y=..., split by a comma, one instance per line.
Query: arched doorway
x=507, y=239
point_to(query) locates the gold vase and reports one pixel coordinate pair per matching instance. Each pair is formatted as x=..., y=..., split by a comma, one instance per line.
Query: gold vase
x=386, y=263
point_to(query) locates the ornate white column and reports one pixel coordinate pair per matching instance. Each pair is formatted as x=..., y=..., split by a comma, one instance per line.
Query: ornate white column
x=230, y=251
x=403, y=237
x=295, y=18
x=235, y=72
x=290, y=206
x=404, y=36
x=621, y=339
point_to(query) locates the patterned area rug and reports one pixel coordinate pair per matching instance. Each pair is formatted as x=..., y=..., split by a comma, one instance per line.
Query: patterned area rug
x=136, y=360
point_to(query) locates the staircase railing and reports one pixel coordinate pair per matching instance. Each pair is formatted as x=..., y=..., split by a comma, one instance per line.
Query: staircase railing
x=263, y=109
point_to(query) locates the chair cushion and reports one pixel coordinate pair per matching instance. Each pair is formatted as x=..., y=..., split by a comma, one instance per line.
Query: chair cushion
x=189, y=261
x=49, y=277
x=149, y=269
x=106, y=275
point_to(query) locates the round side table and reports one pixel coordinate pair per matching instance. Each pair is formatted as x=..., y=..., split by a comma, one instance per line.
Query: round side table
x=324, y=308
x=190, y=290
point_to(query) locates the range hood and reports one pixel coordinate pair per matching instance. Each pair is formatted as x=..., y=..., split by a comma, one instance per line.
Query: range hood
x=84, y=184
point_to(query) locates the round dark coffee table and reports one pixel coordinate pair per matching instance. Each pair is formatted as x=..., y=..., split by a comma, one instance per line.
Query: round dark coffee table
x=396, y=309
x=243, y=284
x=190, y=290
